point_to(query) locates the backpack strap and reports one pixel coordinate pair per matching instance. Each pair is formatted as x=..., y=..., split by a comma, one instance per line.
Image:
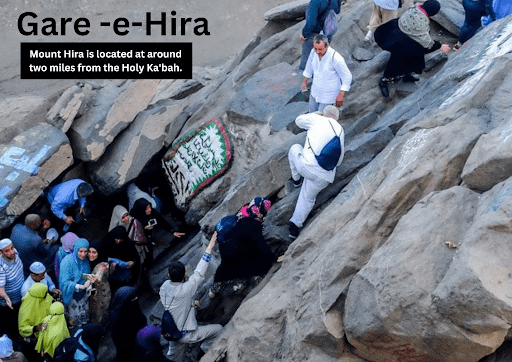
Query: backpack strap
x=188, y=313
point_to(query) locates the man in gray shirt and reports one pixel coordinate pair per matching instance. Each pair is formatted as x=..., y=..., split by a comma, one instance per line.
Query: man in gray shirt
x=177, y=296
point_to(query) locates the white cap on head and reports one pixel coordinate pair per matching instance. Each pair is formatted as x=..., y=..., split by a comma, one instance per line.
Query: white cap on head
x=37, y=267
x=4, y=243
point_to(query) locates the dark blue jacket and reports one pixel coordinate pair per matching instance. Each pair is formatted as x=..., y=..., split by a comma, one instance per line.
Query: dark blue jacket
x=316, y=14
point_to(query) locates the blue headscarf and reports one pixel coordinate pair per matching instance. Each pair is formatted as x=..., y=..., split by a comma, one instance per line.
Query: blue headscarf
x=72, y=269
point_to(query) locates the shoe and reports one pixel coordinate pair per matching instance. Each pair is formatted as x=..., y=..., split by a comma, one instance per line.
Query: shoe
x=383, y=85
x=368, y=37
x=294, y=231
x=297, y=183
x=457, y=46
x=409, y=78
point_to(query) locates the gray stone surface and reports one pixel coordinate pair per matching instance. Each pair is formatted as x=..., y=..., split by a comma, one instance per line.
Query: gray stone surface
x=73, y=103
x=451, y=16
x=134, y=147
x=362, y=54
x=490, y=162
x=265, y=93
x=28, y=164
x=115, y=107
x=289, y=11
x=452, y=296
x=373, y=265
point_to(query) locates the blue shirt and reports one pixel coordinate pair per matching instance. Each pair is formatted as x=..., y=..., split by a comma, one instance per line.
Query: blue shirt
x=29, y=245
x=63, y=196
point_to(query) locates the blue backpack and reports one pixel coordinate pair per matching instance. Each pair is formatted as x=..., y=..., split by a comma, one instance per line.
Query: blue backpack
x=330, y=154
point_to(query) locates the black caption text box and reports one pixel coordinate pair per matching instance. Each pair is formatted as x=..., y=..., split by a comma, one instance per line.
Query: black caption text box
x=106, y=60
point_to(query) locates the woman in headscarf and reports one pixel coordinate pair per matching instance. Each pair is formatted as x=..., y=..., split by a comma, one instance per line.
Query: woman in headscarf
x=96, y=254
x=148, y=348
x=123, y=258
x=89, y=340
x=54, y=332
x=150, y=219
x=121, y=217
x=68, y=241
x=126, y=320
x=408, y=40
x=35, y=305
x=73, y=282
x=243, y=250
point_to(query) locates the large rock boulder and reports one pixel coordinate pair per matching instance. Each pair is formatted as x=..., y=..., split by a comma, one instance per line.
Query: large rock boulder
x=115, y=106
x=289, y=11
x=490, y=162
x=135, y=146
x=436, y=283
x=451, y=16
x=28, y=164
x=267, y=93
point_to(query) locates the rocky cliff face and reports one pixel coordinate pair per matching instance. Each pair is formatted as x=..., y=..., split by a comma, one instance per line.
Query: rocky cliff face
x=410, y=261
x=406, y=256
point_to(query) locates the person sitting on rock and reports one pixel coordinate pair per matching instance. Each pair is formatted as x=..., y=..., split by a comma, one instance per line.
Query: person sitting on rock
x=306, y=171
x=408, y=40
x=383, y=11
x=64, y=196
x=177, y=297
x=244, y=253
x=38, y=275
x=331, y=76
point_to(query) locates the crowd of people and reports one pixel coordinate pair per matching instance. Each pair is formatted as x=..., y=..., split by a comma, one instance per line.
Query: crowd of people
x=50, y=311
x=47, y=281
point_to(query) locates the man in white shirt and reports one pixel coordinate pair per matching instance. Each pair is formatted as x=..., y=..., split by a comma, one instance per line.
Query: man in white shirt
x=321, y=129
x=331, y=76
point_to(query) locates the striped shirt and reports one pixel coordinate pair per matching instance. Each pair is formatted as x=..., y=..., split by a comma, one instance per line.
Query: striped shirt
x=11, y=279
